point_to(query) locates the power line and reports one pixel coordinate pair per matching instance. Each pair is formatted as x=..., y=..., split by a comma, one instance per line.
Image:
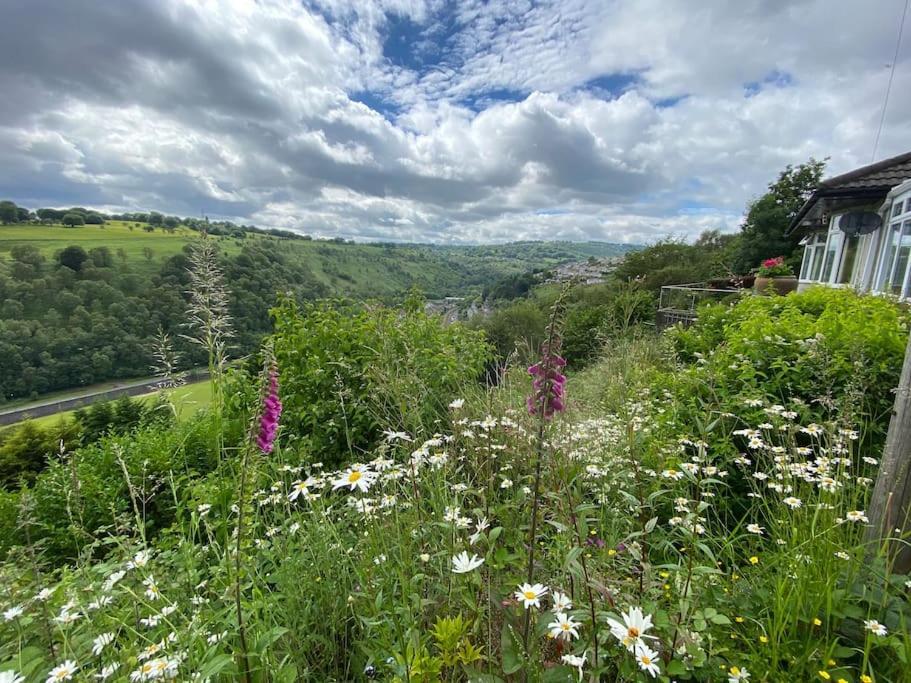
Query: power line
x=882, y=117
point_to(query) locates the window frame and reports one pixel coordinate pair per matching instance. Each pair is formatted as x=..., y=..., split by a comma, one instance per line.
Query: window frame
x=897, y=218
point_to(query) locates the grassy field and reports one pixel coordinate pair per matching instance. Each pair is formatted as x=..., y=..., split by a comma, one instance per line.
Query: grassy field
x=187, y=399
x=127, y=240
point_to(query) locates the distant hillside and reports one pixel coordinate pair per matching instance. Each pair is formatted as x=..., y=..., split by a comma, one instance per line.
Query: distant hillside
x=81, y=305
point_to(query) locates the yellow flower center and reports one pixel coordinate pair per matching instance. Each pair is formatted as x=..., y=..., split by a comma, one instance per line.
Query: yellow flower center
x=632, y=632
x=646, y=660
x=530, y=595
x=354, y=476
x=565, y=627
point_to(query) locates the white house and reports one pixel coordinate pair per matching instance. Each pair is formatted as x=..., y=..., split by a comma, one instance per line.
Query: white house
x=856, y=229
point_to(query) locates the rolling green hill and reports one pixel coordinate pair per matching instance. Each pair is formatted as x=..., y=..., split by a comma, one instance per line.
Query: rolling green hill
x=83, y=305
x=357, y=270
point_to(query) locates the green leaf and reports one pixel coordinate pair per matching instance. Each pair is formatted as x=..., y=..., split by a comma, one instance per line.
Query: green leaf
x=510, y=647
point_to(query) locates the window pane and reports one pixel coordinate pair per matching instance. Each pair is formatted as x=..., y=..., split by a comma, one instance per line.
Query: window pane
x=831, y=256
x=901, y=259
x=849, y=258
x=889, y=248
x=817, y=262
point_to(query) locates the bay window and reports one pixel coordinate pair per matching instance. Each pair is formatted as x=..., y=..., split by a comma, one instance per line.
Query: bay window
x=894, y=273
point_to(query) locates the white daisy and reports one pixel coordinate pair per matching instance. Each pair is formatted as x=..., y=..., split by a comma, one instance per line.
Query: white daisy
x=530, y=595
x=62, y=672
x=462, y=564
x=632, y=631
x=564, y=627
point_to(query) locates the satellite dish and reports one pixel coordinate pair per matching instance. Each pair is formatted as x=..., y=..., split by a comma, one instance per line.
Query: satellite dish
x=859, y=223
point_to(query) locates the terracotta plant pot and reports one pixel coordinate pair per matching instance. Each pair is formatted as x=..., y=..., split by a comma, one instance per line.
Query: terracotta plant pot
x=779, y=285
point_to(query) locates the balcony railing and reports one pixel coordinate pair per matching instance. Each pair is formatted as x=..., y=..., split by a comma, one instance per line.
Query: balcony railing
x=679, y=304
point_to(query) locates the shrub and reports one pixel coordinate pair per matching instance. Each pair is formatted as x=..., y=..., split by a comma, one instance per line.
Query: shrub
x=832, y=348
x=348, y=371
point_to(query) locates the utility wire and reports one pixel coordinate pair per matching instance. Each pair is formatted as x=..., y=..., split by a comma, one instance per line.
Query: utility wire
x=882, y=117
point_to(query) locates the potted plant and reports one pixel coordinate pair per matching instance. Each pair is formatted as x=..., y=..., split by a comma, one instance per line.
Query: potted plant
x=774, y=273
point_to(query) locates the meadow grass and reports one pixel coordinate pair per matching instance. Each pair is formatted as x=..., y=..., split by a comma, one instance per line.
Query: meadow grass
x=186, y=399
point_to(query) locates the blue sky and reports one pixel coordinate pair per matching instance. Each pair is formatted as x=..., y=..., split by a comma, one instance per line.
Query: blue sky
x=471, y=121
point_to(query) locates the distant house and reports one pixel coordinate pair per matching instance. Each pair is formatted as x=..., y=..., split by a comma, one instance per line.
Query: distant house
x=856, y=229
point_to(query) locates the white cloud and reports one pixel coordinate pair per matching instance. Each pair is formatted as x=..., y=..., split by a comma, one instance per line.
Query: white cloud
x=424, y=120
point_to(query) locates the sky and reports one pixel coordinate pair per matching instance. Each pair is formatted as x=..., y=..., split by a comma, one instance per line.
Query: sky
x=450, y=122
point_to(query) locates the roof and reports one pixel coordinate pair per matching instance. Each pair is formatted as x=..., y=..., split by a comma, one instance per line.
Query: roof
x=866, y=185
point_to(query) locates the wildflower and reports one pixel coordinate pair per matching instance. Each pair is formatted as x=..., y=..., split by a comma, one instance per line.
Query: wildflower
x=140, y=559
x=299, y=488
x=562, y=603
x=10, y=677
x=842, y=555
x=632, y=630
x=107, y=671
x=817, y=621
x=857, y=516
x=576, y=661
x=755, y=529
x=866, y=679
x=152, y=592
x=506, y=483
x=531, y=594
x=45, y=593
x=62, y=672
x=113, y=579
x=272, y=410
x=824, y=675
x=13, y=612
x=396, y=436
x=481, y=525
x=875, y=627
x=462, y=564
x=792, y=502
x=457, y=404
x=564, y=627
x=754, y=560
x=355, y=477
x=736, y=674
x=645, y=658
x=102, y=642
x=425, y=557
x=549, y=386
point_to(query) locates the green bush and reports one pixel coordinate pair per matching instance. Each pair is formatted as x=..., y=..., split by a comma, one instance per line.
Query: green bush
x=832, y=348
x=347, y=371
x=86, y=489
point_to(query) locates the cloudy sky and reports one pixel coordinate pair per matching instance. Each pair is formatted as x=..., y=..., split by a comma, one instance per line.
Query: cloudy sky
x=428, y=120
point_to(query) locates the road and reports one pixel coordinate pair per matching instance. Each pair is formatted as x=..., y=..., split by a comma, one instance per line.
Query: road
x=50, y=407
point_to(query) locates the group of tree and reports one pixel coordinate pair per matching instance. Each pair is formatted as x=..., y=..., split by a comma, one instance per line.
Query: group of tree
x=85, y=316
x=26, y=448
x=10, y=213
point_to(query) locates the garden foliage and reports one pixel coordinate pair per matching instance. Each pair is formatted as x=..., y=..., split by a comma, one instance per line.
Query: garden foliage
x=351, y=370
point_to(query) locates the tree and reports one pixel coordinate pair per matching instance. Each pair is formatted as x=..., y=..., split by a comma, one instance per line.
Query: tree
x=9, y=212
x=148, y=252
x=72, y=257
x=94, y=219
x=50, y=214
x=155, y=218
x=24, y=215
x=101, y=257
x=73, y=219
x=767, y=219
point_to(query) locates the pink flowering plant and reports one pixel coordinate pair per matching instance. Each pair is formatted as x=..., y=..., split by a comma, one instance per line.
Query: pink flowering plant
x=775, y=267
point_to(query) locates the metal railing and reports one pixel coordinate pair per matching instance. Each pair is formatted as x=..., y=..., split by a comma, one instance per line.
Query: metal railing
x=679, y=304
